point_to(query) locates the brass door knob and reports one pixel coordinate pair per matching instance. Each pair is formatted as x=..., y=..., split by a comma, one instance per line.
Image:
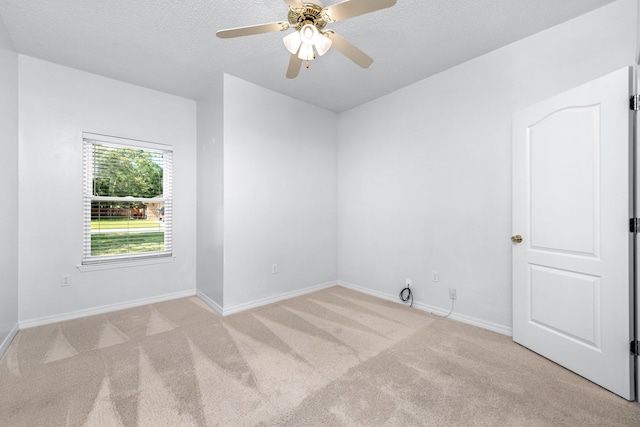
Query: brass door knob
x=516, y=239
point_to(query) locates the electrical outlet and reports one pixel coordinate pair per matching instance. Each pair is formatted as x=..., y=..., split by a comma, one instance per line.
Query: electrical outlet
x=452, y=294
x=274, y=269
x=435, y=276
x=65, y=280
x=407, y=282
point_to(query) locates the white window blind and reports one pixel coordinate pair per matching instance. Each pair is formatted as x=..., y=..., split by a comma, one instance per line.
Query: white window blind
x=127, y=200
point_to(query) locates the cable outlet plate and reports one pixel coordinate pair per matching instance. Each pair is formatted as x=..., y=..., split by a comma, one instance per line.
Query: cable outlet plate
x=452, y=294
x=407, y=282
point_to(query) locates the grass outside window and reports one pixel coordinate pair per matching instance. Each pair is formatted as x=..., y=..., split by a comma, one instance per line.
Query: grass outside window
x=122, y=223
x=126, y=243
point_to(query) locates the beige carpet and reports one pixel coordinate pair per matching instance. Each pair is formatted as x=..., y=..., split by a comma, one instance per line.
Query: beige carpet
x=335, y=357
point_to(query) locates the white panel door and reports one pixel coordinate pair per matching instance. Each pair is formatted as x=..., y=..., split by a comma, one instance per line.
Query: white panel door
x=571, y=206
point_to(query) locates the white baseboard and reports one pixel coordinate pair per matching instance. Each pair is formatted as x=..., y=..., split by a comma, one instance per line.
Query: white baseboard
x=484, y=324
x=270, y=300
x=7, y=341
x=211, y=303
x=372, y=292
x=501, y=329
x=30, y=323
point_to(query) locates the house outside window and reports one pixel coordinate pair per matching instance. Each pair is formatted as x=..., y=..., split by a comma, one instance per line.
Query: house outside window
x=127, y=209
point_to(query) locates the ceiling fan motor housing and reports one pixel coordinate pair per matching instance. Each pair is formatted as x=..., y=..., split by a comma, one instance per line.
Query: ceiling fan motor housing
x=309, y=14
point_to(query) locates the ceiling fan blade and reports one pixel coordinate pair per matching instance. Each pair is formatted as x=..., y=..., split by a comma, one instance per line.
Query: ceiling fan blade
x=346, y=48
x=294, y=66
x=351, y=8
x=253, y=29
x=293, y=4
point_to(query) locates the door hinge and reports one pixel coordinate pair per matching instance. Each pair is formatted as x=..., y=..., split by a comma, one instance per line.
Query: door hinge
x=634, y=103
x=634, y=348
x=634, y=225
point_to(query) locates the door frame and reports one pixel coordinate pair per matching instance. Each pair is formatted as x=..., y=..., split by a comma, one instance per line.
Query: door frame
x=634, y=163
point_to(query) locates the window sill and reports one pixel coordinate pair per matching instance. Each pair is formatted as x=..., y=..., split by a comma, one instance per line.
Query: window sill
x=124, y=264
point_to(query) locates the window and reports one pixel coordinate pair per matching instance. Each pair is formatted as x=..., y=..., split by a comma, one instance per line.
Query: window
x=127, y=200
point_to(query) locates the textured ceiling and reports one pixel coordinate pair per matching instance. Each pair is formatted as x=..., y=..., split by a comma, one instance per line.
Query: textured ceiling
x=171, y=46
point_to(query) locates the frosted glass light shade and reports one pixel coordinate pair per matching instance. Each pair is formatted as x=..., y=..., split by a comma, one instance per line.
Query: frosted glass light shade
x=292, y=42
x=309, y=34
x=306, y=53
x=323, y=44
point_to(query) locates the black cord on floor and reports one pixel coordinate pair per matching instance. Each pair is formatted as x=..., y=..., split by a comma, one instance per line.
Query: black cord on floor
x=406, y=295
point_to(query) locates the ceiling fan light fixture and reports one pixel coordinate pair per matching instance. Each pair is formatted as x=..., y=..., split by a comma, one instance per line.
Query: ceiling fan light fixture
x=323, y=44
x=309, y=34
x=292, y=42
x=306, y=53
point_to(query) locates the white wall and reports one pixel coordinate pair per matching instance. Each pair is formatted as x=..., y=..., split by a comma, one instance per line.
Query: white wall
x=57, y=104
x=425, y=172
x=210, y=223
x=424, y=179
x=8, y=189
x=280, y=194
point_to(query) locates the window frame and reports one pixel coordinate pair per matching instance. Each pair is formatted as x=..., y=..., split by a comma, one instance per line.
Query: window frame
x=90, y=262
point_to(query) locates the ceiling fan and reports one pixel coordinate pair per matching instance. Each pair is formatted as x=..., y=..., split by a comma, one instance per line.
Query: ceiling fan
x=310, y=37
